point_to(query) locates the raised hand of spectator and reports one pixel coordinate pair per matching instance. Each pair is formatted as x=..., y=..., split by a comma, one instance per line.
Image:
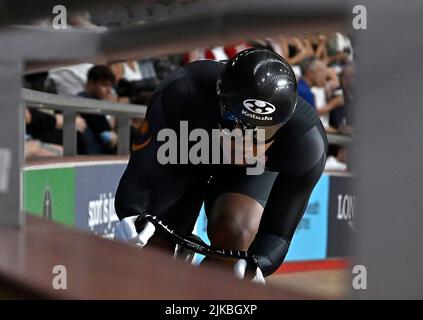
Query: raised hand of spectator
x=302, y=51
x=321, y=51
x=322, y=39
x=308, y=45
x=341, y=57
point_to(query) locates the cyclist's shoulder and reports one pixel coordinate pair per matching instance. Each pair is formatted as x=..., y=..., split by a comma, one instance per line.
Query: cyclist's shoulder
x=205, y=66
x=195, y=78
x=298, y=148
x=303, y=119
x=203, y=74
x=304, y=114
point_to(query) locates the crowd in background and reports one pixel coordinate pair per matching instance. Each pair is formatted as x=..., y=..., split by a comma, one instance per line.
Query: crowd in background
x=323, y=65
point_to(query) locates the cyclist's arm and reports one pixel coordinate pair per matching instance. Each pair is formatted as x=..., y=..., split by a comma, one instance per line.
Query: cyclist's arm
x=287, y=202
x=145, y=179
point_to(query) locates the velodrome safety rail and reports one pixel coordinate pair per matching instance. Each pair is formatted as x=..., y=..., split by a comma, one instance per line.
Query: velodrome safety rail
x=72, y=105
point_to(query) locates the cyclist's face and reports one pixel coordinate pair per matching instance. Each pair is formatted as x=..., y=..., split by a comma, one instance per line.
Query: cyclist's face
x=230, y=122
x=242, y=144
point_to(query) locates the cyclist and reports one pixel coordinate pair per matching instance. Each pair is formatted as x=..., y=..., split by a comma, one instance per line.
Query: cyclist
x=259, y=213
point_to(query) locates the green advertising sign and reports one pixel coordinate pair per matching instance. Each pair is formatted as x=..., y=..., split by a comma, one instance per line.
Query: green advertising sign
x=50, y=193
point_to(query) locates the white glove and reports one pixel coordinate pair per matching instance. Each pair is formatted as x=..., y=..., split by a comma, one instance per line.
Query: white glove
x=241, y=266
x=125, y=231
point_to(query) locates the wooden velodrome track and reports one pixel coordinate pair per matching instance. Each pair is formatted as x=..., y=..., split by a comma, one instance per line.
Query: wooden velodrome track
x=102, y=269
x=326, y=284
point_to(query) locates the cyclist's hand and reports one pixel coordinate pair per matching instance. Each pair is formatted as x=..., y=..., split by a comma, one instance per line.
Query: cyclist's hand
x=242, y=267
x=126, y=231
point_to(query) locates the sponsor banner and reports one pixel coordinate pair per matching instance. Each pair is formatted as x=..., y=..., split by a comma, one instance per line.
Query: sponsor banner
x=341, y=217
x=50, y=193
x=310, y=238
x=84, y=197
x=95, y=188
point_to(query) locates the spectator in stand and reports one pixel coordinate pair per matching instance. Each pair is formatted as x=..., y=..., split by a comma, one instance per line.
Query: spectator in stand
x=295, y=50
x=99, y=136
x=315, y=73
x=232, y=49
x=215, y=53
x=135, y=80
x=44, y=128
x=165, y=65
x=134, y=86
x=339, y=51
x=36, y=148
x=47, y=128
x=340, y=117
x=128, y=70
x=70, y=80
x=316, y=44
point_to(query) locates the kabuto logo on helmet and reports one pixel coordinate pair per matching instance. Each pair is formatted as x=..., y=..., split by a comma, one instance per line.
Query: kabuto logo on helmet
x=258, y=106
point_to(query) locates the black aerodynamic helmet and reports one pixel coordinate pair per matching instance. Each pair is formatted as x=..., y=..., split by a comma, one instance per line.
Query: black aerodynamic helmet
x=257, y=89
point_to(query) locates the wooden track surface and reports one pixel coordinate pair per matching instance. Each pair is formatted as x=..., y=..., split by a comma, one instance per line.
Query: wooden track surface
x=102, y=269
x=329, y=284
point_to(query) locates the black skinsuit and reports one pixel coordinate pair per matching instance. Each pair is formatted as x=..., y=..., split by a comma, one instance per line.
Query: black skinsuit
x=175, y=193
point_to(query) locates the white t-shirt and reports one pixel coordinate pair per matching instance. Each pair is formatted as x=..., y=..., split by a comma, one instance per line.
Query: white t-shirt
x=70, y=80
x=320, y=101
x=130, y=74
